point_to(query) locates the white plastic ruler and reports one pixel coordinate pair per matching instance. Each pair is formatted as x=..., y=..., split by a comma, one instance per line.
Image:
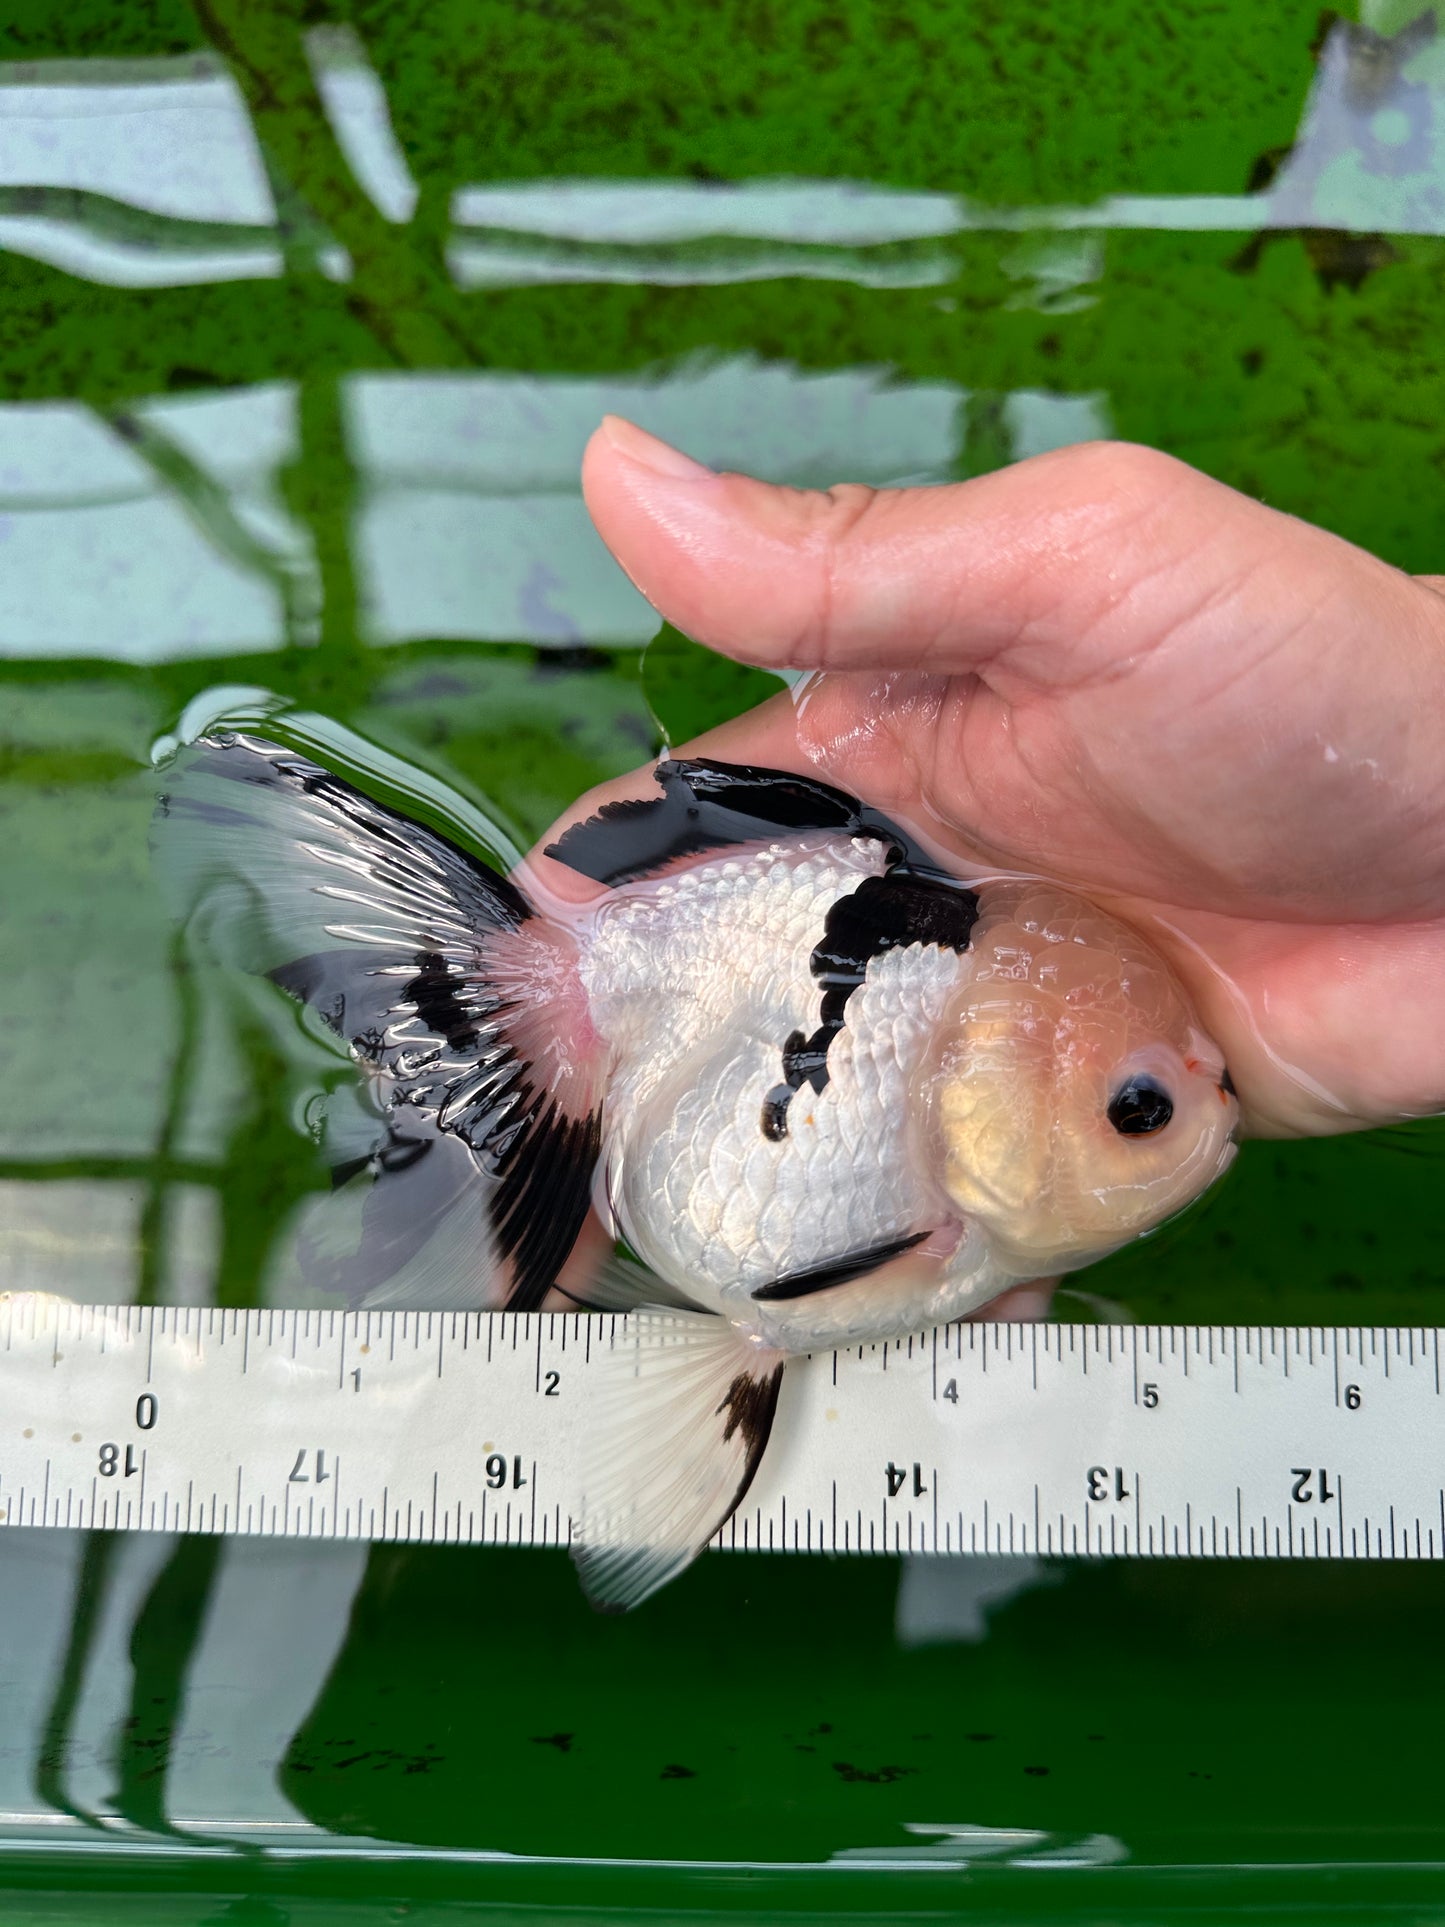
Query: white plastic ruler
x=451, y=1427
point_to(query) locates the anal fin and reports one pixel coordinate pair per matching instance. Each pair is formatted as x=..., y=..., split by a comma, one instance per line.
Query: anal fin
x=685, y=1412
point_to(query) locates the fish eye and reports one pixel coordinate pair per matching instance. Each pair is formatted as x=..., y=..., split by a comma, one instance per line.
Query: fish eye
x=1139, y=1107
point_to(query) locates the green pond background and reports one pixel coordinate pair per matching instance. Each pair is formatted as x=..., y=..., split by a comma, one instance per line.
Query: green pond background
x=306, y=312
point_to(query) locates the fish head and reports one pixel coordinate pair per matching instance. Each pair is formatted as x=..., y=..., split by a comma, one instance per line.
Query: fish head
x=1074, y=1101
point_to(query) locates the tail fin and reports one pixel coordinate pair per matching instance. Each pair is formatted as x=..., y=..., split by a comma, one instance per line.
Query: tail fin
x=435, y=972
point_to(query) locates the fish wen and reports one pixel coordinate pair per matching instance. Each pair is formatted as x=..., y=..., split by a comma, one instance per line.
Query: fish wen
x=824, y=1091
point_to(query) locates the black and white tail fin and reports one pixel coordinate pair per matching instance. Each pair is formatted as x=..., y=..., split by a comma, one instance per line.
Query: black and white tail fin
x=683, y=1415
x=467, y=1176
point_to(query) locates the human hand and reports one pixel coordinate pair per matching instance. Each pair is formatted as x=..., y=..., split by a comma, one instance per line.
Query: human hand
x=1101, y=666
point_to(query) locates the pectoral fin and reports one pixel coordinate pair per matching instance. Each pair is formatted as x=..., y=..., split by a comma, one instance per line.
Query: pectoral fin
x=684, y=1413
x=842, y=1270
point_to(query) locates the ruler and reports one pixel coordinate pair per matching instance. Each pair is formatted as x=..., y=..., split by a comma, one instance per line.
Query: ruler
x=1237, y=1441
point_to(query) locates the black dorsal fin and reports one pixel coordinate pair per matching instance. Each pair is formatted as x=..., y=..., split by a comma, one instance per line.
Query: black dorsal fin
x=716, y=806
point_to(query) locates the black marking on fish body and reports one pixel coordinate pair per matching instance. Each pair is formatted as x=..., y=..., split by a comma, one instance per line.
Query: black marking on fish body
x=835, y=1271
x=805, y=1060
x=1226, y=1084
x=889, y=913
x=714, y=806
x=884, y=913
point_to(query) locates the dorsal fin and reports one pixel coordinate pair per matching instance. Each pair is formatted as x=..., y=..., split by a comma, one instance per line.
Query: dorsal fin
x=717, y=806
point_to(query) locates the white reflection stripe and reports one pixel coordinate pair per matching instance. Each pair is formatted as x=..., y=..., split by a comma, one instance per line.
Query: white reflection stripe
x=356, y=106
x=646, y=212
x=176, y=146
x=503, y=264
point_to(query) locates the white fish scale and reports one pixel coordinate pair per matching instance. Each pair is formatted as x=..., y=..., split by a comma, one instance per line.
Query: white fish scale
x=705, y=1197
x=680, y=974
x=671, y=962
x=864, y=1109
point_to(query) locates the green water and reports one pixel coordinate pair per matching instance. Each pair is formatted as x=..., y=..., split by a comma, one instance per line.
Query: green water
x=305, y=314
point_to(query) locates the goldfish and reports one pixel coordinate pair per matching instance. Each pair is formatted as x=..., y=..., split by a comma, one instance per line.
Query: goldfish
x=822, y=1090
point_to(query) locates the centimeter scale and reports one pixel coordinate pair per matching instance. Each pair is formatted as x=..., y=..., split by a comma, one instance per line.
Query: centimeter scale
x=1238, y=1441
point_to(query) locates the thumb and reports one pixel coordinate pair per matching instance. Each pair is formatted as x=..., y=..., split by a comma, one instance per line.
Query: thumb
x=1046, y=574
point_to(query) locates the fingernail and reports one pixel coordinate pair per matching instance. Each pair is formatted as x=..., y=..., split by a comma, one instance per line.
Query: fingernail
x=648, y=452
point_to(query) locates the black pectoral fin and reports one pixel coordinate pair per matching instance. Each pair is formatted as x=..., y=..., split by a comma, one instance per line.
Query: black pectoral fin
x=685, y=1410
x=710, y=806
x=841, y=1270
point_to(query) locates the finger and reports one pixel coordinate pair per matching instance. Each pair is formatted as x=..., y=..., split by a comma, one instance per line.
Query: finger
x=1043, y=574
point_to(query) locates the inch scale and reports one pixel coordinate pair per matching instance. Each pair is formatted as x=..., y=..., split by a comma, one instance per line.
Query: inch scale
x=473, y=1428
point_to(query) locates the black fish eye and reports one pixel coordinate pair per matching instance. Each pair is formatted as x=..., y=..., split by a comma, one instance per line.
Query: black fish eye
x=1141, y=1106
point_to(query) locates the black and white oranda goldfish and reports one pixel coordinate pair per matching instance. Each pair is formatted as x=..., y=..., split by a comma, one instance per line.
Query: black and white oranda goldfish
x=823, y=1090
